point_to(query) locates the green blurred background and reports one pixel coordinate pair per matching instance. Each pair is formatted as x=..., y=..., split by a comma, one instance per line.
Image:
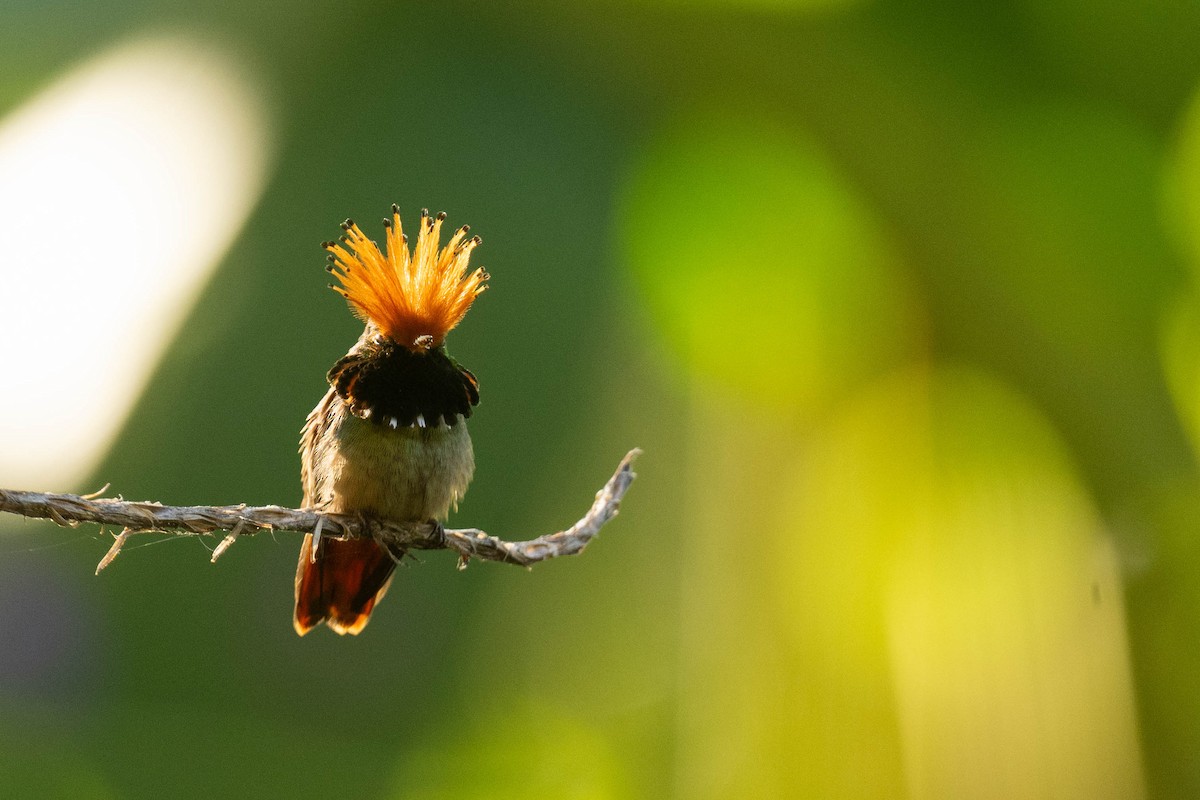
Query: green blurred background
x=898, y=298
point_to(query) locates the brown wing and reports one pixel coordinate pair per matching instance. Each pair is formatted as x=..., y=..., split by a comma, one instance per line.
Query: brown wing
x=315, y=425
x=348, y=578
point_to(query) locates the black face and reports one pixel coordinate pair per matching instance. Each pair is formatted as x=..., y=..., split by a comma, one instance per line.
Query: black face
x=387, y=382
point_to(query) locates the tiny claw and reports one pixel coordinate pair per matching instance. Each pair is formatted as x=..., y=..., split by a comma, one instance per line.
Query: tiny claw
x=316, y=540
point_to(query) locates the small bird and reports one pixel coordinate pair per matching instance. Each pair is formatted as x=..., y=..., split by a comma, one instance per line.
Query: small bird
x=389, y=440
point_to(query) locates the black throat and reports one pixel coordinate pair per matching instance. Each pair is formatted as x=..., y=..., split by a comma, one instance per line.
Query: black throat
x=393, y=386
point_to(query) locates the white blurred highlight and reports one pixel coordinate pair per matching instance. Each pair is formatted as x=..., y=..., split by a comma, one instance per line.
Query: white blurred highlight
x=121, y=186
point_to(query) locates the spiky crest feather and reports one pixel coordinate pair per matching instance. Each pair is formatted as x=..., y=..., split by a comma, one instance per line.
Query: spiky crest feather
x=414, y=298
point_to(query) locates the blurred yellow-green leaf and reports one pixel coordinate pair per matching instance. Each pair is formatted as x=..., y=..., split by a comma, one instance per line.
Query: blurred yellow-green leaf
x=764, y=268
x=520, y=752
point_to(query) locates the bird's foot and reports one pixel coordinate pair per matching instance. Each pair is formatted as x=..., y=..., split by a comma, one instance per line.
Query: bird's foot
x=438, y=534
x=316, y=539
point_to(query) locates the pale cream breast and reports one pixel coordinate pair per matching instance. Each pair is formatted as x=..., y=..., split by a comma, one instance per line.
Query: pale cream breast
x=409, y=473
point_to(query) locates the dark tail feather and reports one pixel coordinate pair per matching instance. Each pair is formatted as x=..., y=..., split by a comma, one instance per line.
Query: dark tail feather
x=342, y=586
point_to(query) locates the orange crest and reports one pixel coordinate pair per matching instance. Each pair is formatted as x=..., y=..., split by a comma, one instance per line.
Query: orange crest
x=414, y=298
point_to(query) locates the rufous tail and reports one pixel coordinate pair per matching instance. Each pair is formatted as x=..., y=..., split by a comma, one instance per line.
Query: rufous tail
x=343, y=584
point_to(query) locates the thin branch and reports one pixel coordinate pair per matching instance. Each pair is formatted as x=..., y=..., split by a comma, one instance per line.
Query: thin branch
x=242, y=520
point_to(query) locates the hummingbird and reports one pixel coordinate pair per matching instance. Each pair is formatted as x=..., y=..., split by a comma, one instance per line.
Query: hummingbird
x=389, y=440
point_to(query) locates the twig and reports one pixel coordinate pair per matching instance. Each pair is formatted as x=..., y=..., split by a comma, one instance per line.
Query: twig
x=114, y=551
x=228, y=541
x=242, y=520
